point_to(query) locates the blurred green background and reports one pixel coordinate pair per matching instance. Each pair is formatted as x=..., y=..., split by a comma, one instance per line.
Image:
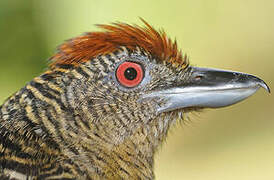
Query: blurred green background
x=233, y=143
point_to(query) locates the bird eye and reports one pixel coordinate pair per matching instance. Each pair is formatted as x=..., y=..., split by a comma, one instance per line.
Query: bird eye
x=129, y=74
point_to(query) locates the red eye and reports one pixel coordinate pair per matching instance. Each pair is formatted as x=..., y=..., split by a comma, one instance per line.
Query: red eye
x=129, y=74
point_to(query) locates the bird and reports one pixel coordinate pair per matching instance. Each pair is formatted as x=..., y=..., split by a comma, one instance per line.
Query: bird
x=105, y=104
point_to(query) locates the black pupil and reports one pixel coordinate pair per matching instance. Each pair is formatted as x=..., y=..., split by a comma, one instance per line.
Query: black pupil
x=130, y=73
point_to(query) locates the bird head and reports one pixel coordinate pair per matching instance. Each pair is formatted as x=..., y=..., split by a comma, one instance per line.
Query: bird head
x=127, y=84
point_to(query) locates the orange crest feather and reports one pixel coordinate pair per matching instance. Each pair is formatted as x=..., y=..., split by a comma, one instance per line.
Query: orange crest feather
x=83, y=48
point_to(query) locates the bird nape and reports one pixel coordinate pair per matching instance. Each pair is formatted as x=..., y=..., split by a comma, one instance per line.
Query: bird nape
x=106, y=103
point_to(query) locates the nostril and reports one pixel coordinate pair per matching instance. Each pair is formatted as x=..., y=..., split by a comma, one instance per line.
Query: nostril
x=198, y=77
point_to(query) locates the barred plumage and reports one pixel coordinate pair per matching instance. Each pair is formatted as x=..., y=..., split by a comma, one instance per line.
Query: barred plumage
x=76, y=120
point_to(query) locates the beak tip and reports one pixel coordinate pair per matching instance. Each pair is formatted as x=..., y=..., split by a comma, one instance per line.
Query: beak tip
x=258, y=82
x=265, y=86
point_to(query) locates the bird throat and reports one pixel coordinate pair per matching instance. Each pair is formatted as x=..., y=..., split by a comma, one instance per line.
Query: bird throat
x=132, y=158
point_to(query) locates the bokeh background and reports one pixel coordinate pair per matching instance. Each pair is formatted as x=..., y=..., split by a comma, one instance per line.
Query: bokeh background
x=233, y=143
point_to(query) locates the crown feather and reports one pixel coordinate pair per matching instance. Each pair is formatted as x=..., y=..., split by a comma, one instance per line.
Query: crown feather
x=90, y=45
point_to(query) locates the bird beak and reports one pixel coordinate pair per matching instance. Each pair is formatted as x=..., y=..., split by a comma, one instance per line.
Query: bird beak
x=208, y=88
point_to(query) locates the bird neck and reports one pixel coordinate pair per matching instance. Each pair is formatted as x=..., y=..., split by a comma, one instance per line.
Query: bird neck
x=131, y=159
